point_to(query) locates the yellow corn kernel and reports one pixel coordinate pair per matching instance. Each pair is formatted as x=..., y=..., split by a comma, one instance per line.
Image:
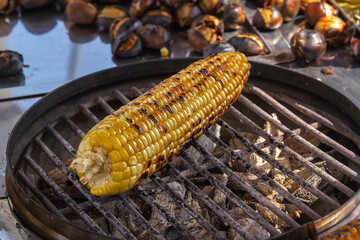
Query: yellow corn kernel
x=154, y=127
x=115, y=156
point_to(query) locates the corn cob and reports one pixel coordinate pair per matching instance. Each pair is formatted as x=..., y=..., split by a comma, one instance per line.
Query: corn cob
x=350, y=231
x=142, y=136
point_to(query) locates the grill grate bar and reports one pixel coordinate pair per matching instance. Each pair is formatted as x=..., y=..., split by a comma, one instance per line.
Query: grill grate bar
x=322, y=196
x=293, y=117
x=136, y=91
x=139, y=218
x=324, y=175
x=87, y=204
x=149, y=200
x=62, y=140
x=232, y=196
x=97, y=204
x=71, y=203
x=246, y=186
x=207, y=200
x=88, y=113
x=44, y=200
x=346, y=170
x=199, y=218
x=73, y=126
x=109, y=110
x=325, y=118
x=291, y=198
x=121, y=97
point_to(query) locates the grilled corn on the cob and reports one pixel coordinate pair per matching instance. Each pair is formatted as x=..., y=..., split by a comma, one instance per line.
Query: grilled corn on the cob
x=128, y=146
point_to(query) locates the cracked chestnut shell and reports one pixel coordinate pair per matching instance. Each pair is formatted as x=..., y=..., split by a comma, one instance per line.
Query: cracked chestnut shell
x=127, y=44
x=247, y=43
x=308, y=45
x=355, y=48
x=158, y=17
x=201, y=36
x=154, y=36
x=233, y=16
x=119, y=26
x=8, y=6
x=304, y=3
x=315, y=10
x=219, y=47
x=82, y=13
x=267, y=18
x=108, y=14
x=10, y=63
x=139, y=7
x=209, y=6
x=209, y=21
x=288, y=8
x=186, y=13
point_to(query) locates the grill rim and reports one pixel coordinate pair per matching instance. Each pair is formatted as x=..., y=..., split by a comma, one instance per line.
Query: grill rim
x=149, y=68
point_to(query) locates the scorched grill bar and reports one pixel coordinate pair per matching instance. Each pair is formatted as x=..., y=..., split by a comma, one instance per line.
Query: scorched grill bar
x=58, y=205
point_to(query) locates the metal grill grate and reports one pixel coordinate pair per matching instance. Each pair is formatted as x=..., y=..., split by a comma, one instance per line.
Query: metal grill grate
x=57, y=143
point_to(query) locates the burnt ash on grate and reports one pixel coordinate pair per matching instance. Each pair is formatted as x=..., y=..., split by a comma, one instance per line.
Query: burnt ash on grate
x=258, y=172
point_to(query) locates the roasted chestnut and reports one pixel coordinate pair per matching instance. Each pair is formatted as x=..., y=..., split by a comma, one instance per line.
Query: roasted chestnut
x=355, y=48
x=315, y=10
x=201, y=36
x=10, y=63
x=108, y=14
x=186, y=13
x=288, y=8
x=8, y=6
x=308, y=45
x=127, y=44
x=81, y=12
x=233, y=16
x=247, y=43
x=139, y=7
x=31, y=4
x=335, y=30
x=209, y=6
x=158, y=17
x=119, y=26
x=209, y=21
x=154, y=36
x=219, y=47
x=267, y=18
x=304, y=3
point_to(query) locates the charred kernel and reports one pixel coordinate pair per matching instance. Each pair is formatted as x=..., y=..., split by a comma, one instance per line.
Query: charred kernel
x=169, y=109
x=221, y=67
x=193, y=79
x=138, y=128
x=129, y=120
x=153, y=118
x=204, y=71
x=213, y=76
x=182, y=87
x=119, y=113
x=170, y=94
x=157, y=103
x=147, y=94
x=135, y=103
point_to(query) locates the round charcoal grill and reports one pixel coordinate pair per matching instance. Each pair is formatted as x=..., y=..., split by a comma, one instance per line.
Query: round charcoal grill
x=306, y=184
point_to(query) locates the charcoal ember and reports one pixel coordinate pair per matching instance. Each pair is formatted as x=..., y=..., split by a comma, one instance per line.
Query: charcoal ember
x=203, y=141
x=251, y=227
x=253, y=180
x=274, y=152
x=215, y=194
x=292, y=211
x=269, y=216
x=306, y=196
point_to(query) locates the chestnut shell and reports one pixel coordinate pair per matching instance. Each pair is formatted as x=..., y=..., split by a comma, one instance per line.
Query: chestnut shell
x=315, y=10
x=308, y=45
x=10, y=63
x=81, y=13
x=127, y=44
x=154, y=36
x=139, y=7
x=108, y=14
x=119, y=26
x=10, y=7
x=31, y=4
x=219, y=47
x=209, y=21
x=186, y=13
x=288, y=8
x=247, y=43
x=201, y=36
x=233, y=16
x=267, y=18
x=158, y=17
